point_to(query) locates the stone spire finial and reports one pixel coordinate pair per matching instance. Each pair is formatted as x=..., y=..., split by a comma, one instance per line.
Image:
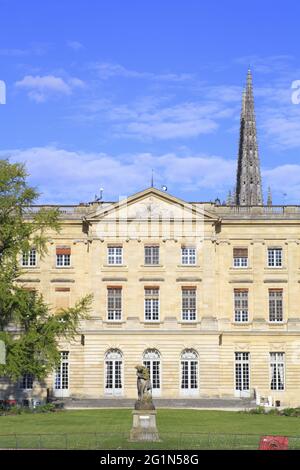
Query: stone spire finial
x=229, y=198
x=248, y=184
x=269, y=200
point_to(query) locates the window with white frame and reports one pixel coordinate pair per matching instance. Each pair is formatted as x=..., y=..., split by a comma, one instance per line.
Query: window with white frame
x=113, y=371
x=274, y=257
x=152, y=255
x=115, y=255
x=241, y=305
x=189, y=370
x=151, y=304
x=63, y=257
x=151, y=360
x=242, y=371
x=26, y=382
x=277, y=370
x=114, y=303
x=275, y=305
x=188, y=255
x=61, y=381
x=29, y=259
x=189, y=312
x=240, y=257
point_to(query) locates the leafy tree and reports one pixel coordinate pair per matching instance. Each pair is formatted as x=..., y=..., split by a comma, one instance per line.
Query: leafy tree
x=27, y=326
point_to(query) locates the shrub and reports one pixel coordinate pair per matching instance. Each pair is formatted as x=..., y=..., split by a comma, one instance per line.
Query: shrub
x=259, y=410
x=17, y=410
x=274, y=412
x=294, y=412
x=47, y=408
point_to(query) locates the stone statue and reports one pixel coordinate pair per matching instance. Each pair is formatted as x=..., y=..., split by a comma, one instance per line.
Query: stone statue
x=144, y=389
x=144, y=415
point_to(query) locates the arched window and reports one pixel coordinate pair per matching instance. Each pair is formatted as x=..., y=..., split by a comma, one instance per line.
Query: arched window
x=114, y=372
x=189, y=372
x=151, y=360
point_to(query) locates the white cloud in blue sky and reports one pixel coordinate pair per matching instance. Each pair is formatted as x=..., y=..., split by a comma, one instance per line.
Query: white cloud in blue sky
x=40, y=88
x=106, y=70
x=96, y=98
x=57, y=171
x=75, y=45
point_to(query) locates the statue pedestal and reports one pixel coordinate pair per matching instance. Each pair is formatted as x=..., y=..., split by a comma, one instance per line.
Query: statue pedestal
x=144, y=426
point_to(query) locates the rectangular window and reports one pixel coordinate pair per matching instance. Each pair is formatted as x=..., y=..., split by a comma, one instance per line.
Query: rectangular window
x=152, y=255
x=189, y=304
x=277, y=371
x=115, y=255
x=274, y=257
x=62, y=372
x=151, y=304
x=29, y=259
x=62, y=298
x=114, y=303
x=275, y=305
x=63, y=257
x=26, y=382
x=242, y=371
x=240, y=257
x=241, y=305
x=188, y=255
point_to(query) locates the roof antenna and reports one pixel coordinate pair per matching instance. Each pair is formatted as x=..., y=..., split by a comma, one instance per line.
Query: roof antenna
x=99, y=198
x=152, y=179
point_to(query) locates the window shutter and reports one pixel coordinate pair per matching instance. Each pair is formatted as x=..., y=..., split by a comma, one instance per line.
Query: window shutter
x=240, y=252
x=63, y=250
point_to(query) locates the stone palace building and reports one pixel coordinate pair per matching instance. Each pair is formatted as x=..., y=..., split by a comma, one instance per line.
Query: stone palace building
x=207, y=295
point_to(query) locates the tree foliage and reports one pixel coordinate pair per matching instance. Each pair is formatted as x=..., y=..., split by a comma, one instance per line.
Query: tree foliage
x=28, y=327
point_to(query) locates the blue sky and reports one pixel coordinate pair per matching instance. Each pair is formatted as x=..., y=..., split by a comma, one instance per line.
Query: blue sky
x=99, y=92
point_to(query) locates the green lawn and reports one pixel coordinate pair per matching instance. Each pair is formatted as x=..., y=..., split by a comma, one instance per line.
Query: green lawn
x=110, y=429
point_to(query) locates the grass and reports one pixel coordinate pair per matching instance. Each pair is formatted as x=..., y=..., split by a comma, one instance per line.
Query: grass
x=110, y=429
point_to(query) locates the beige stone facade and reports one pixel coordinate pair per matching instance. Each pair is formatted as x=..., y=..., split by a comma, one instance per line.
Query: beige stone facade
x=237, y=329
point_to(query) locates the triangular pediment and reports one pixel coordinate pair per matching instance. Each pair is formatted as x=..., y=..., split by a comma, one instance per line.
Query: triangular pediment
x=152, y=203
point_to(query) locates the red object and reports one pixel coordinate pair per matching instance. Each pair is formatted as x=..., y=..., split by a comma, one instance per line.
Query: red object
x=273, y=443
x=64, y=250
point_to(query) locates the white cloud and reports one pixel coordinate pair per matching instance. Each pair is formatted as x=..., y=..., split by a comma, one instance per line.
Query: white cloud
x=74, y=82
x=70, y=177
x=33, y=49
x=75, y=45
x=284, y=180
x=226, y=93
x=66, y=177
x=283, y=131
x=150, y=119
x=40, y=88
x=267, y=64
x=14, y=52
x=108, y=70
x=168, y=130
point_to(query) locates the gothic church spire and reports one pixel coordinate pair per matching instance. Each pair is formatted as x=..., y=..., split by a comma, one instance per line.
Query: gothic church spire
x=248, y=184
